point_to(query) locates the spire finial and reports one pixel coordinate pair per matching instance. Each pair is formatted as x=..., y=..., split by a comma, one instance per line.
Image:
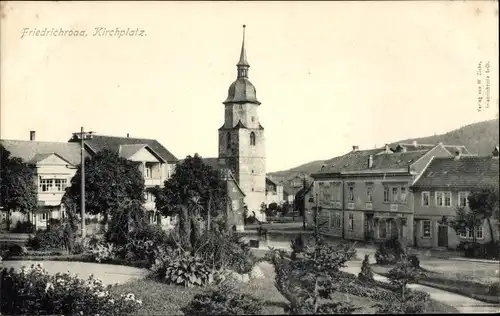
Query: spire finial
x=243, y=55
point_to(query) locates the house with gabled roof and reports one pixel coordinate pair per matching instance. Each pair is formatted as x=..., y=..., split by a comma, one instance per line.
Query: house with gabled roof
x=364, y=194
x=54, y=164
x=155, y=162
x=442, y=188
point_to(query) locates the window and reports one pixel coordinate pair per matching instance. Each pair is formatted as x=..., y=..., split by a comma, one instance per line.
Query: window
x=439, y=198
x=337, y=220
x=395, y=195
x=382, y=229
x=52, y=185
x=403, y=195
x=60, y=184
x=426, y=229
x=148, y=171
x=350, y=197
x=228, y=140
x=462, y=199
x=45, y=185
x=45, y=215
x=351, y=222
x=447, y=199
x=252, y=139
x=369, y=190
x=386, y=194
x=479, y=232
x=425, y=198
x=466, y=233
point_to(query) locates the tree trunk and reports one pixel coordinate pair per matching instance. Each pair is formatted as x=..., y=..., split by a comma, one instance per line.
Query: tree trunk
x=208, y=213
x=184, y=228
x=403, y=292
x=104, y=222
x=8, y=220
x=492, y=234
x=195, y=231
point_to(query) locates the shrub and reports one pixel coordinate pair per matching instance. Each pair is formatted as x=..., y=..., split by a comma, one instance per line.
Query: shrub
x=16, y=250
x=415, y=303
x=103, y=252
x=182, y=268
x=32, y=291
x=225, y=251
x=366, y=273
x=384, y=256
x=24, y=228
x=223, y=299
x=48, y=239
x=415, y=262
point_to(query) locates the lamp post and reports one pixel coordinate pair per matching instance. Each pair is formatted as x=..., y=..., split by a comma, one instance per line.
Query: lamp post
x=82, y=135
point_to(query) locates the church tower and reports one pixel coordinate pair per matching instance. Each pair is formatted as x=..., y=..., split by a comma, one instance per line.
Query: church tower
x=241, y=138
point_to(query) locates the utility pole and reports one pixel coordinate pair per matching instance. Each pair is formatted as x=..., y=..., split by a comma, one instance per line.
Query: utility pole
x=82, y=135
x=304, y=205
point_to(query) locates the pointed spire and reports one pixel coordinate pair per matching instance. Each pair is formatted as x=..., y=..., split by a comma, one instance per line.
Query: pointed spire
x=243, y=63
x=243, y=55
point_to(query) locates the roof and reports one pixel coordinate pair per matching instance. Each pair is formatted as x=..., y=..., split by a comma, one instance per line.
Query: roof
x=31, y=151
x=465, y=172
x=127, y=151
x=358, y=161
x=417, y=147
x=113, y=143
x=241, y=91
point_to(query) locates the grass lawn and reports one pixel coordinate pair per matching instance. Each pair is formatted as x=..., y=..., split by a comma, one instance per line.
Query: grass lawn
x=162, y=299
x=453, y=283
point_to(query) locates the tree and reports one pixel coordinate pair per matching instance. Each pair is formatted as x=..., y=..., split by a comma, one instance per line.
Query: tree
x=466, y=219
x=193, y=189
x=18, y=190
x=404, y=273
x=484, y=204
x=109, y=181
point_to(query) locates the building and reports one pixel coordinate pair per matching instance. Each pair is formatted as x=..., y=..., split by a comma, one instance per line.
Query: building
x=54, y=165
x=156, y=163
x=442, y=188
x=364, y=195
x=241, y=138
x=274, y=192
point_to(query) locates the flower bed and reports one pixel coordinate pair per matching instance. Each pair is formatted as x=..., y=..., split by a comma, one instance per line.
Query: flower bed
x=33, y=291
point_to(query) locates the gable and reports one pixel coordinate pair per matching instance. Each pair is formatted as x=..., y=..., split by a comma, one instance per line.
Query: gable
x=144, y=154
x=52, y=160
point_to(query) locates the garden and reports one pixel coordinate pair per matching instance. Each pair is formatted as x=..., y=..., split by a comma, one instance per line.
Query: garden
x=485, y=288
x=200, y=267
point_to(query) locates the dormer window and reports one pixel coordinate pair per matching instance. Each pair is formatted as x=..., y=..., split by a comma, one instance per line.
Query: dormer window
x=252, y=139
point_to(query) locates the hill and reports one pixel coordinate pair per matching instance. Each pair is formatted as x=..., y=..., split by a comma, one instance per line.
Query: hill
x=479, y=138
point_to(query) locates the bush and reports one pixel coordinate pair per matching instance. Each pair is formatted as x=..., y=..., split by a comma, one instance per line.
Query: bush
x=182, y=268
x=415, y=262
x=415, y=303
x=383, y=256
x=366, y=273
x=298, y=245
x=223, y=299
x=32, y=291
x=103, y=252
x=24, y=228
x=17, y=250
x=48, y=239
x=225, y=251
x=490, y=250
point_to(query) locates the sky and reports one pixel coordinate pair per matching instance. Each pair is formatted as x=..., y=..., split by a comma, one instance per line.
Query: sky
x=330, y=75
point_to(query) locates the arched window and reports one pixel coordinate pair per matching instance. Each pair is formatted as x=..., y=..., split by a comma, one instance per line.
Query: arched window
x=252, y=139
x=228, y=140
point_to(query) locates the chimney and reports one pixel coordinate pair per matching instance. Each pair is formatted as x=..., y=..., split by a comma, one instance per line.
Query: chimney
x=127, y=135
x=370, y=161
x=32, y=135
x=414, y=143
x=355, y=148
x=457, y=154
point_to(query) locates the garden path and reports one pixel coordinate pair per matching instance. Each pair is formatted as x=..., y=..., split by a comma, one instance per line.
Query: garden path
x=108, y=273
x=462, y=303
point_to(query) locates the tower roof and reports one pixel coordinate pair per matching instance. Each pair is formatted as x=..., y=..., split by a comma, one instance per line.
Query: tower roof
x=242, y=90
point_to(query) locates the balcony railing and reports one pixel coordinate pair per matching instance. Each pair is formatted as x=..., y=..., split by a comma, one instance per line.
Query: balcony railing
x=350, y=206
x=152, y=181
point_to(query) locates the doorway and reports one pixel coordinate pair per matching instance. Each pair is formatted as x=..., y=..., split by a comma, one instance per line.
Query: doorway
x=442, y=236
